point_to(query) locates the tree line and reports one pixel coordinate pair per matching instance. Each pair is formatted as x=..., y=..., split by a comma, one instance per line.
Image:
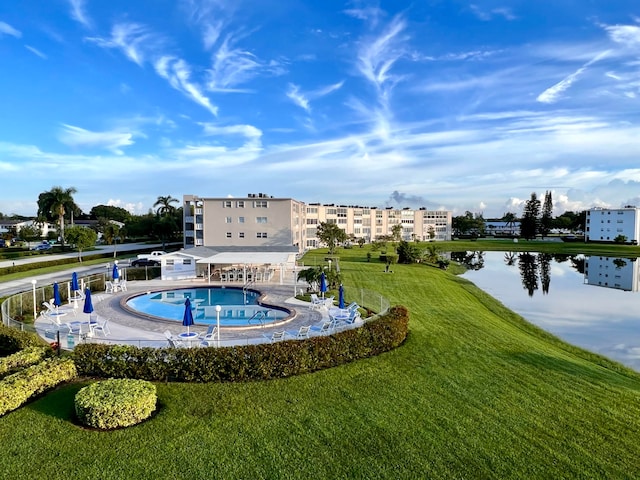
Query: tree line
x=57, y=206
x=537, y=219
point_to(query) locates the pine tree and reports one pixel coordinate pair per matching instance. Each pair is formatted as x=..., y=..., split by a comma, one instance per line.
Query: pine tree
x=530, y=218
x=547, y=215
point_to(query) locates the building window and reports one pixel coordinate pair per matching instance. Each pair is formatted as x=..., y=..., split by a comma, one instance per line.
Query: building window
x=241, y=235
x=261, y=235
x=226, y=204
x=227, y=220
x=240, y=204
x=261, y=219
x=260, y=204
x=228, y=234
x=240, y=219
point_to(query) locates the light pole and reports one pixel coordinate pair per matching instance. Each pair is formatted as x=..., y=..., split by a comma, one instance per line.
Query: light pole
x=218, y=308
x=33, y=283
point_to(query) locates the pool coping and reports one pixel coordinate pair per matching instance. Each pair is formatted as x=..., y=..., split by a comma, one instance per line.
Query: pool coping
x=292, y=312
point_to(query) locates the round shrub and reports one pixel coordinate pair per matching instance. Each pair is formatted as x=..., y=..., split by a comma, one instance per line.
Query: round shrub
x=115, y=403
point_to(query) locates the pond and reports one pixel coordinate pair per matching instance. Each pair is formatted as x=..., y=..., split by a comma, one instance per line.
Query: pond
x=589, y=301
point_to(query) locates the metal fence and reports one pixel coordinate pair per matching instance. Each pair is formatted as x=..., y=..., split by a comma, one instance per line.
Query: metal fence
x=20, y=310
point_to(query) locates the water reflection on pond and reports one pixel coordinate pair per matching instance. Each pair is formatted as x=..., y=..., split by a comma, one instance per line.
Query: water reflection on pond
x=592, y=301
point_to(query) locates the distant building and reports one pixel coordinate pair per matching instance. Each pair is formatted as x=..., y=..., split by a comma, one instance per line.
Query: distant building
x=607, y=224
x=610, y=272
x=500, y=228
x=260, y=220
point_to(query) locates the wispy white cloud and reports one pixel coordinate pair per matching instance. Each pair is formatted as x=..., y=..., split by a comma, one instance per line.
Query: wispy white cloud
x=178, y=74
x=233, y=66
x=35, y=51
x=376, y=56
x=487, y=15
x=627, y=35
x=78, y=12
x=303, y=99
x=6, y=29
x=297, y=97
x=80, y=137
x=134, y=40
x=370, y=14
x=552, y=94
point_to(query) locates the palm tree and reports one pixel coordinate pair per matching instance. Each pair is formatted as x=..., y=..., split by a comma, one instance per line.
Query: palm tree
x=54, y=204
x=164, y=205
x=510, y=220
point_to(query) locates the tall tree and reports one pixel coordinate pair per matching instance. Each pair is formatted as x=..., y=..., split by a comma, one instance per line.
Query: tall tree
x=110, y=233
x=330, y=234
x=530, y=218
x=82, y=238
x=396, y=232
x=546, y=220
x=164, y=205
x=54, y=204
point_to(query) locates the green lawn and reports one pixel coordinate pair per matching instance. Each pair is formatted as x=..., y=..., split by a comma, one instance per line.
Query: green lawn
x=475, y=392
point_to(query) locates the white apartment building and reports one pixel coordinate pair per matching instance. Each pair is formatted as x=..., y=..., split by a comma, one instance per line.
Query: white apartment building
x=257, y=220
x=610, y=272
x=371, y=223
x=606, y=224
x=260, y=220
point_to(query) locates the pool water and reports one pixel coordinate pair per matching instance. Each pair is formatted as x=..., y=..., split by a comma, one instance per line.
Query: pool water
x=239, y=308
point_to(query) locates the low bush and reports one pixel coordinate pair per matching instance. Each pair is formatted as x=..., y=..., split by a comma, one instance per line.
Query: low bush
x=247, y=362
x=18, y=388
x=115, y=403
x=24, y=358
x=12, y=340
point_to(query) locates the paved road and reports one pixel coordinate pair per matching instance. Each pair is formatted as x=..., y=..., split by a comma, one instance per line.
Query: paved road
x=14, y=286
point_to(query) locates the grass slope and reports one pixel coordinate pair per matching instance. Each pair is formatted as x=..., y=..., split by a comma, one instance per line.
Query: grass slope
x=475, y=392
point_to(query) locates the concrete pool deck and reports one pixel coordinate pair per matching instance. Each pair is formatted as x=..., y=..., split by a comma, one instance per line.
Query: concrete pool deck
x=130, y=329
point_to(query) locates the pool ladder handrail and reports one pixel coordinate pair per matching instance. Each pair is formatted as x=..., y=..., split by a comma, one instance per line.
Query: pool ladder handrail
x=260, y=315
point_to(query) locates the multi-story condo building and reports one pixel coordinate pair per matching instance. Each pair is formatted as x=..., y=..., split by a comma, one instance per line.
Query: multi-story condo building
x=260, y=220
x=371, y=223
x=610, y=272
x=609, y=224
x=257, y=220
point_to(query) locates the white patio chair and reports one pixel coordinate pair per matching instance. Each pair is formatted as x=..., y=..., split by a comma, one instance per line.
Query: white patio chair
x=101, y=327
x=276, y=336
x=210, y=338
x=300, y=334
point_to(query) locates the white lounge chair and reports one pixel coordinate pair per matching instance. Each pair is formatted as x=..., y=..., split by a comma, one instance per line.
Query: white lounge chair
x=300, y=334
x=173, y=341
x=100, y=327
x=276, y=336
x=325, y=329
x=210, y=338
x=109, y=287
x=316, y=302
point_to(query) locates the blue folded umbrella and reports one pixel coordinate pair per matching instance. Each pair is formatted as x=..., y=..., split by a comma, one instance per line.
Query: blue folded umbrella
x=187, y=319
x=74, y=282
x=341, y=297
x=57, y=301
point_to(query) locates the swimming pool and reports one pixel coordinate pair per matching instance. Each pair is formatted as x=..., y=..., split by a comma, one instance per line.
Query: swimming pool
x=239, y=307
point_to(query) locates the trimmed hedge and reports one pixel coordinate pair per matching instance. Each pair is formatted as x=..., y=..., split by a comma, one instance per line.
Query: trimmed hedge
x=24, y=358
x=115, y=403
x=18, y=388
x=247, y=362
x=12, y=340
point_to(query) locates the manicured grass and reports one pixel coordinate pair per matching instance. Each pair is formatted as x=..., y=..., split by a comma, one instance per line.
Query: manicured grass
x=475, y=392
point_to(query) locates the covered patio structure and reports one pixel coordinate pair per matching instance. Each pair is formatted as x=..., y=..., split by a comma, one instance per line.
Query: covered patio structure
x=248, y=266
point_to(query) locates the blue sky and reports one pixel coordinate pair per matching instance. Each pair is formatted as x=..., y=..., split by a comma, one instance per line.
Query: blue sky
x=442, y=104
